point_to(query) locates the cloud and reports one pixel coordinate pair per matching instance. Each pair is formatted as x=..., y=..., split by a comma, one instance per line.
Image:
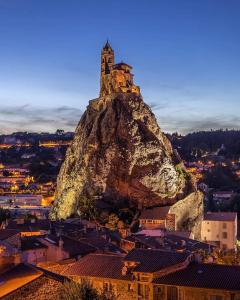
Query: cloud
x=181, y=119
x=191, y=123
x=32, y=118
x=157, y=106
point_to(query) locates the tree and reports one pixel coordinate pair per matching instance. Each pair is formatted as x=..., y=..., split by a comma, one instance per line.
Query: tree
x=87, y=207
x=121, y=225
x=72, y=290
x=75, y=291
x=107, y=294
x=112, y=222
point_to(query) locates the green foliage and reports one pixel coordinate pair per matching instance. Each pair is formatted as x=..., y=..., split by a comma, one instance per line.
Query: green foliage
x=75, y=291
x=121, y=225
x=181, y=171
x=226, y=257
x=107, y=294
x=112, y=222
x=85, y=291
x=87, y=208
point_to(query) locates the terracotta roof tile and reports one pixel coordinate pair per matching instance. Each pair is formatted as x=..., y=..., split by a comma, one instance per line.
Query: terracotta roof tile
x=156, y=213
x=155, y=260
x=210, y=276
x=99, y=265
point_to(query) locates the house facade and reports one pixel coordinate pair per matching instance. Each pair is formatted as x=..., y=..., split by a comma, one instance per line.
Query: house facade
x=157, y=275
x=220, y=228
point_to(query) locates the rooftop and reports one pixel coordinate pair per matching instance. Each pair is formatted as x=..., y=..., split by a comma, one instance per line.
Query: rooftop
x=16, y=278
x=72, y=246
x=28, y=226
x=99, y=265
x=154, y=260
x=122, y=65
x=7, y=233
x=210, y=276
x=171, y=242
x=31, y=244
x=156, y=213
x=220, y=216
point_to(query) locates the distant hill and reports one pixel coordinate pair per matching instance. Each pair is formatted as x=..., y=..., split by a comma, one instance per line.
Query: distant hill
x=198, y=144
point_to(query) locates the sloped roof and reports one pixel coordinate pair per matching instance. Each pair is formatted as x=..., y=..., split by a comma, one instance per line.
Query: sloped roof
x=99, y=265
x=210, y=276
x=107, y=46
x=7, y=233
x=121, y=65
x=156, y=213
x=154, y=260
x=31, y=243
x=17, y=277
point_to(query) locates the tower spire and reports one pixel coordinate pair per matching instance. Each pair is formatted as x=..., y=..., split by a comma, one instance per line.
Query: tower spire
x=107, y=46
x=107, y=62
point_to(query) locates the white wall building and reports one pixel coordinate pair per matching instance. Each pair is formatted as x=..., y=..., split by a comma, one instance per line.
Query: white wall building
x=220, y=228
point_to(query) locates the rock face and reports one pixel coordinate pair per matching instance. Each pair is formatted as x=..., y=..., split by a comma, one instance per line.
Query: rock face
x=120, y=153
x=189, y=213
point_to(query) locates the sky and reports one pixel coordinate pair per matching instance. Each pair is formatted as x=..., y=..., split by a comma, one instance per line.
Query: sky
x=184, y=53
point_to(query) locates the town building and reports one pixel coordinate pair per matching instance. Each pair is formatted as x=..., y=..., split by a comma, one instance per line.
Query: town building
x=220, y=229
x=21, y=200
x=157, y=275
x=156, y=218
x=33, y=251
x=24, y=281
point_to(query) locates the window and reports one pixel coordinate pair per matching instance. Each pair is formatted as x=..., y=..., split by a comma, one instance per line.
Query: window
x=143, y=290
x=224, y=225
x=172, y=293
x=224, y=235
x=158, y=293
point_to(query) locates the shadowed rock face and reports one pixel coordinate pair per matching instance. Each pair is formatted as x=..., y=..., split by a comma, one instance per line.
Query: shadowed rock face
x=120, y=153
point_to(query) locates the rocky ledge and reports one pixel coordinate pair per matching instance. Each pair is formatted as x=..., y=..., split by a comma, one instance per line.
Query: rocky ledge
x=119, y=154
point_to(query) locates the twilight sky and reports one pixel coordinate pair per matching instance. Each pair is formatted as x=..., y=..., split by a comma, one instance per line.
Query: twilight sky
x=185, y=56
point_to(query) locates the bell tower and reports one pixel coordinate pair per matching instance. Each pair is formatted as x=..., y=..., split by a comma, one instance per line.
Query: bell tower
x=107, y=62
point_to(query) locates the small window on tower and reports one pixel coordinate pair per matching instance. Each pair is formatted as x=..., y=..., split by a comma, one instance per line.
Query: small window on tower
x=110, y=60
